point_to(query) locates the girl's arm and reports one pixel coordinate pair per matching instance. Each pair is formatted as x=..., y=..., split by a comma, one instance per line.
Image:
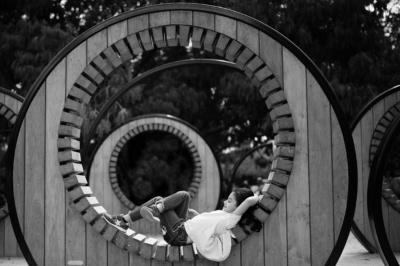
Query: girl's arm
x=247, y=203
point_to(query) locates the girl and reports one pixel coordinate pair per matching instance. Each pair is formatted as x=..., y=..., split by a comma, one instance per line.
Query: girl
x=210, y=231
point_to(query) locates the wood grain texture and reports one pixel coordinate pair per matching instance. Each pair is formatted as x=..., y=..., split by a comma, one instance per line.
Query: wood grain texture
x=96, y=245
x=19, y=179
x=136, y=260
x=10, y=244
x=298, y=202
x=248, y=36
x=11, y=103
x=116, y=32
x=54, y=186
x=76, y=63
x=204, y=20
x=96, y=44
x=182, y=17
x=234, y=258
x=275, y=235
x=226, y=26
x=359, y=212
x=340, y=175
x=34, y=173
x=320, y=172
x=367, y=128
x=254, y=255
x=160, y=18
x=138, y=23
x=116, y=256
x=184, y=35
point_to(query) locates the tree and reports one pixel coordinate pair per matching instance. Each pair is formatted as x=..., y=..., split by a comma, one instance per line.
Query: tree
x=354, y=43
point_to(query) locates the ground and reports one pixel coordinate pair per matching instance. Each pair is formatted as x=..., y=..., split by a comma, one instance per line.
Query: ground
x=354, y=254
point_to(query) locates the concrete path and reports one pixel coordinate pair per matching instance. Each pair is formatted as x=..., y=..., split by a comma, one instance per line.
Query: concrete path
x=354, y=254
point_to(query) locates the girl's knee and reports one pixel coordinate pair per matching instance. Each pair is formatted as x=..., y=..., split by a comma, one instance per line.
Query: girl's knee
x=184, y=194
x=156, y=199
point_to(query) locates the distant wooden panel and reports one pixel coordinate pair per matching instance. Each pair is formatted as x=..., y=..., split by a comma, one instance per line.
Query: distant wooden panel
x=368, y=129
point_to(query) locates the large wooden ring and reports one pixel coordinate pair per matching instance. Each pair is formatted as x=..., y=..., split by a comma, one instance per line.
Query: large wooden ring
x=309, y=224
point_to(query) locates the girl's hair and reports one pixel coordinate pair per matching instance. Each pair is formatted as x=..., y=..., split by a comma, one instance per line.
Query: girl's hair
x=248, y=222
x=241, y=194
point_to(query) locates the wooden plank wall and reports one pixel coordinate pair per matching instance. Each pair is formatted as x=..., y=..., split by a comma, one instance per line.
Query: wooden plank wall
x=362, y=135
x=298, y=232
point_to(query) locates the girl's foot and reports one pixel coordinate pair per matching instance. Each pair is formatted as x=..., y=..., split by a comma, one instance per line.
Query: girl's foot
x=116, y=220
x=150, y=213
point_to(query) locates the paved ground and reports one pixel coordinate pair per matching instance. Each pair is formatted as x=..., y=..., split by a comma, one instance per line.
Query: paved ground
x=354, y=254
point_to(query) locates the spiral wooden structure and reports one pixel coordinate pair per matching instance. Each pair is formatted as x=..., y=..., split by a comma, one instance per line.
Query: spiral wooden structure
x=308, y=202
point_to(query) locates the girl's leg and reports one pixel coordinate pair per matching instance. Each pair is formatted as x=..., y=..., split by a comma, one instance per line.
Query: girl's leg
x=174, y=232
x=134, y=215
x=179, y=202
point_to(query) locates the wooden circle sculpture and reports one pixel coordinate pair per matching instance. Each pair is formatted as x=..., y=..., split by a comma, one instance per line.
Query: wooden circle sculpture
x=376, y=210
x=205, y=186
x=306, y=220
x=10, y=105
x=368, y=129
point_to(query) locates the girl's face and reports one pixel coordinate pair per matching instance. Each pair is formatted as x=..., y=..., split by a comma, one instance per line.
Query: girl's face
x=230, y=204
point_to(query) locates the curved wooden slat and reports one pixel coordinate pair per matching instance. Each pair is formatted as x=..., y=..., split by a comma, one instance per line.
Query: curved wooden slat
x=122, y=239
x=135, y=244
x=79, y=192
x=74, y=180
x=149, y=247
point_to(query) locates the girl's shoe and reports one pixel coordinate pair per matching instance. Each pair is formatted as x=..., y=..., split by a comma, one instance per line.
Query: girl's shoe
x=116, y=220
x=150, y=213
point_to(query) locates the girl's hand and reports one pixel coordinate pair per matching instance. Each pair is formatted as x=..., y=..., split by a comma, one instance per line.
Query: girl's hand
x=247, y=203
x=253, y=200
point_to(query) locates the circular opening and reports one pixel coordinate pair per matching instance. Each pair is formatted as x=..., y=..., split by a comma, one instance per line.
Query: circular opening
x=153, y=163
x=253, y=168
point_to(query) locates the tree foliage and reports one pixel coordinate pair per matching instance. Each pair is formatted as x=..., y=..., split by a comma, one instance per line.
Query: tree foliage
x=354, y=43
